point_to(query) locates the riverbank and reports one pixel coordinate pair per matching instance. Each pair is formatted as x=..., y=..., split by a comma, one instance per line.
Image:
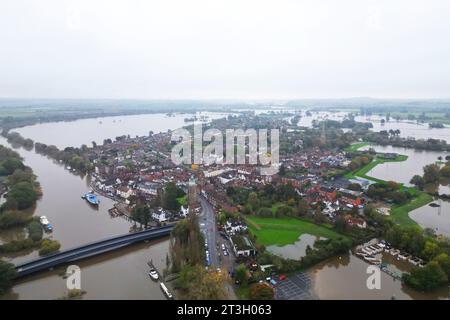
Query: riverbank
x=399, y=213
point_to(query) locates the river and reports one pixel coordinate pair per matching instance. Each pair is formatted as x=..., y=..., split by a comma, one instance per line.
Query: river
x=344, y=277
x=75, y=133
x=122, y=274
x=407, y=128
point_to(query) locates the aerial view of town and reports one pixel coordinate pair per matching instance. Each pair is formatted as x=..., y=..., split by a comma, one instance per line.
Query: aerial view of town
x=227, y=153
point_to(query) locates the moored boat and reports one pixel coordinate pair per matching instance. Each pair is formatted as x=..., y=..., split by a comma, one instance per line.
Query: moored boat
x=91, y=198
x=153, y=274
x=165, y=290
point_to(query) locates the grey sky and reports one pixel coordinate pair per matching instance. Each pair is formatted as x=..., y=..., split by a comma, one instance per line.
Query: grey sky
x=243, y=49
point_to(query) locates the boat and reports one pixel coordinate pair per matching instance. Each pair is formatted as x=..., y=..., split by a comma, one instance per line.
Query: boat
x=91, y=198
x=153, y=274
x=434, y=205
x=43, y=220
x=165, y=290
x=45, y=223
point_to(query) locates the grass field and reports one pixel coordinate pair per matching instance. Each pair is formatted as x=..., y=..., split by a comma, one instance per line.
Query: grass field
x=400, y=214
x=282, y=231
x=362, y=172
x=355, y=146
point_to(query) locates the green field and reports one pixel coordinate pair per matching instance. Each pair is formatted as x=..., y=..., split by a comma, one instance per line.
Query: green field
x=400, y=214
x=355, y=146
x=362, y=172
x=282, y=231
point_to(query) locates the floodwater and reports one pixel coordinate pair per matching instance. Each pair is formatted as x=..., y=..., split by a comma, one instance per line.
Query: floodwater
x=75, y=133
x=403, y=171
x=436, y=218
x=407, y=128
x=297, y=250
x=121, y=274
x=345, y=278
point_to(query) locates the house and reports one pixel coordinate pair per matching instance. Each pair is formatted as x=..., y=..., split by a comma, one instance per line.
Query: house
x=351, y=197
x=124, y=192
x=232, y=227
x=327, y=193
x=184, y=211
x=159, y=215
x=357, y=222
x=149, y=188
x=242, y=246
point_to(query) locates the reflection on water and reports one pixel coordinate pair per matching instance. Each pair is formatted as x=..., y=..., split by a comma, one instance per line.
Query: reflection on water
x=407, y=128
x=121, y=274
x=297, y=250
x=344, y=277
x=75, y=223
x=436, y=218
x=403, y=171
x=84, y=131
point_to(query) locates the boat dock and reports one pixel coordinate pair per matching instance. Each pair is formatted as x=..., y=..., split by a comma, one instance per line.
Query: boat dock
x=163, y=287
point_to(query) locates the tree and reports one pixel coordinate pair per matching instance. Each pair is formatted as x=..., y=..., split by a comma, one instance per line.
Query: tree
x=35, y=231
x=141, y=214
x=318, y=215
x=7, y=274
x=430, y=250
x=427, y=278
x=241, y=275
x=261, y=291
x=303, y=207
x=445, y=171
x=22, y=196
x=417, y=181
x=431, y=173
x=444, y=261
x=253, y=200
x=171, y=193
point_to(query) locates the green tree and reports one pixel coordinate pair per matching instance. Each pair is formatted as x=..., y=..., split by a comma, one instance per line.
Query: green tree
x=35, y=231
x=141, y=214
x=253, y=200
x=171, y=193
x=241, y=274
x=427, y=278
x=7, y=274
x=431, y=173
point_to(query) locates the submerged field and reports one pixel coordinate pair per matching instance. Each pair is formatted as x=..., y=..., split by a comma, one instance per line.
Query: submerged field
x=282, y=231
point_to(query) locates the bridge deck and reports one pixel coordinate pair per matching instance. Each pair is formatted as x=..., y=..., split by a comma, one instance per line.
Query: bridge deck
x=89, y=250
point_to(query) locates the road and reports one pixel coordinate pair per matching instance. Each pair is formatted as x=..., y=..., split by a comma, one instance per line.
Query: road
x=208, y=227
x=207, y=220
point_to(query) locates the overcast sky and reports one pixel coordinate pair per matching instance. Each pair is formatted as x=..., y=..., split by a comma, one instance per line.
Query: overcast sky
x=237, y=49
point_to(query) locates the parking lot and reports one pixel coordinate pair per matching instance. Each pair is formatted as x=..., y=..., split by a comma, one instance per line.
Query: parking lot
x=295, y=287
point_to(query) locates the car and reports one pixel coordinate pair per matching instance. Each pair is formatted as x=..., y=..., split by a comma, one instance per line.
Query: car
x=282, y=277
x=223, y=247
x=219, y=270
x=225, y=252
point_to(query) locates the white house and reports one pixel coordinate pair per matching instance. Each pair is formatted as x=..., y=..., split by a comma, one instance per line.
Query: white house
x=159, y=216
x=124, y=192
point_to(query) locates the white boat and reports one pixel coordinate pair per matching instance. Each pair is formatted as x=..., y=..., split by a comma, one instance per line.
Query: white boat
x=43, y=220
x=153, y=274
x=165, y=290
